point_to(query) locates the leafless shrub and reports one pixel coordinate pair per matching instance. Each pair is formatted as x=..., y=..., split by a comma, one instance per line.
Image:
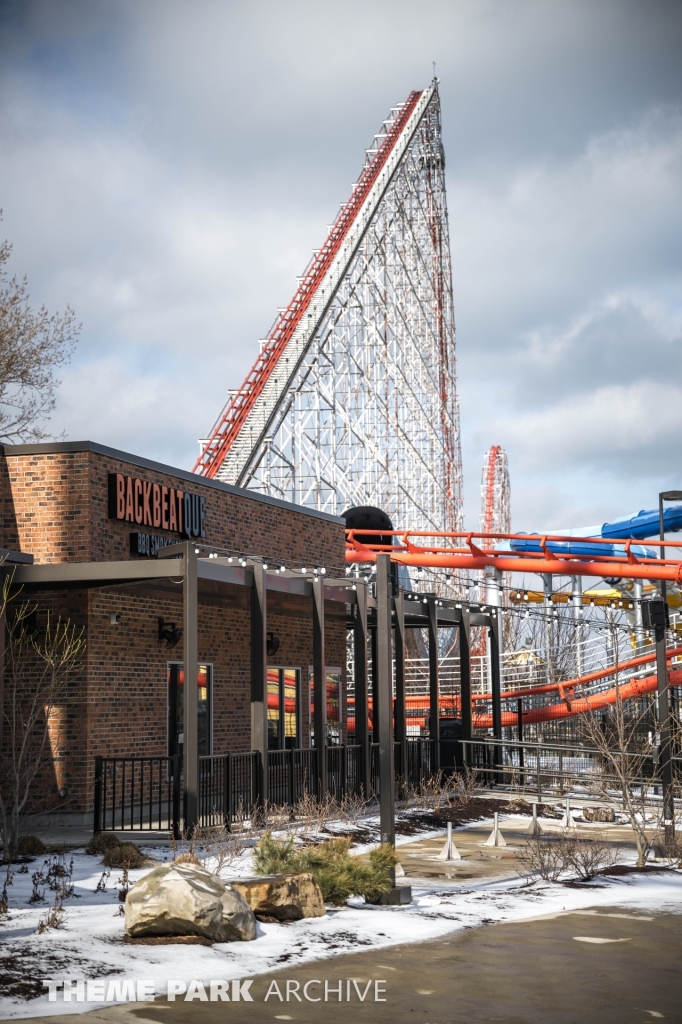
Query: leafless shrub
x=102, y=884
x=221, y=847
x=616, y=734
x=312, y=815
x=123, y=883
x=4, y=898
x=589, y=857
x=58, y=876
x=542, y=856
x=466, y=786
x=550, y=857
x=353, y=807
x=39, y=882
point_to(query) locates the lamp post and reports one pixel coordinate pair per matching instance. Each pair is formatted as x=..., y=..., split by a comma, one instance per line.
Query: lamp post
x=663, y=699
x=662, y=498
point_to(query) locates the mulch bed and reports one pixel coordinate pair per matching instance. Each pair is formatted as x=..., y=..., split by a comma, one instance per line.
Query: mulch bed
x=167, y=940
x=474, y=810
x=632, y=869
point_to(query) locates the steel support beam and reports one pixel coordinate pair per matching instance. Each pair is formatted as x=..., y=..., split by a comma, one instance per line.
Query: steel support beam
x=190, y=612
x=3, y=638
x=319, y=688
x=375, y=704
x=665, y=749
x=259, y=674
x=494, y=631
x=465, y=674
x=361, y=682
x=434, y=708
x=399, y=655
x=384, y=698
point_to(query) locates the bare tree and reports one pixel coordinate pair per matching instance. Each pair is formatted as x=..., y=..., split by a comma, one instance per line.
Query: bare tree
x=39, y=676
x=32, y=345
x=617, y=734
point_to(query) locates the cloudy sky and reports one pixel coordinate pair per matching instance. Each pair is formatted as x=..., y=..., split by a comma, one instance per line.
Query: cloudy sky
x=167, y=166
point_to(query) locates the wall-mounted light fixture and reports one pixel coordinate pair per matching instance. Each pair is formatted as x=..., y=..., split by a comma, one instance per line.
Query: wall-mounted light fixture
x=115, y=618
x=169, y=632
x=272, y=645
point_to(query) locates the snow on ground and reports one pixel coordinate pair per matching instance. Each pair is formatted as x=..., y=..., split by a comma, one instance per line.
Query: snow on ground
x=89, y=943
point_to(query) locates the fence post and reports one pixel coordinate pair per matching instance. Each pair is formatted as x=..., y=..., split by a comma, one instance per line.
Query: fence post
x=537, y=767
x=291, y=780
x=227, y=792
x=494, y=632
x=175, y=823
x=97, y=811
x=343, y=769
x=519, y=718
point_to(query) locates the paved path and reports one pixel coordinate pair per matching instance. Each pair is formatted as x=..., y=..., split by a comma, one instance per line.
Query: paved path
x=536, y=972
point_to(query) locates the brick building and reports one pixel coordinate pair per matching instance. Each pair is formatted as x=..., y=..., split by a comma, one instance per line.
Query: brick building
x=97, y=523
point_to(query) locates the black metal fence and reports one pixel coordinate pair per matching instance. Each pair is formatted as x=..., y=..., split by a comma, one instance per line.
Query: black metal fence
x=553, y=766
x=144, y=794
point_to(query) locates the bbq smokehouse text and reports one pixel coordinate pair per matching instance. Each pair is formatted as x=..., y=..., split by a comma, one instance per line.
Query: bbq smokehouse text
x=133, y=500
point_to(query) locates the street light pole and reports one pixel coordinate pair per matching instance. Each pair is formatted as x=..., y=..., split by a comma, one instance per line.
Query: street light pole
x=663, y=695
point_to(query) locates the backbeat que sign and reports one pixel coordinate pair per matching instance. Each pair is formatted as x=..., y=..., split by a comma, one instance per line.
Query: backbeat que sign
x=133, y=500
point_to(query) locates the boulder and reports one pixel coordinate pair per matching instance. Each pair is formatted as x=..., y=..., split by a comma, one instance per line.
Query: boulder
x=282, y=897
x=185, y=899
x=599, y=814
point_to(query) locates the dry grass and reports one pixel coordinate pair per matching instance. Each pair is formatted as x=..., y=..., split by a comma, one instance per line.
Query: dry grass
x=188, y=858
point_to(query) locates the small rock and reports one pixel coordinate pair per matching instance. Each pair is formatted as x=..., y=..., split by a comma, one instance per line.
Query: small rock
x=185, y=899
x=282, y=897
x=599, y=814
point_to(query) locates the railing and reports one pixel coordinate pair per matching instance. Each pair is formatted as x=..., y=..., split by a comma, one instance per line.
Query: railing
x=550, y=766
x=137, y=793
x=144, y=794
x=228, y=788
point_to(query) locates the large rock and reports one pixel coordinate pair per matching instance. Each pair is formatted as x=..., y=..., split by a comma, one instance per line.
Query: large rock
x=284, y=897
x=599, y=814
x=185, y=899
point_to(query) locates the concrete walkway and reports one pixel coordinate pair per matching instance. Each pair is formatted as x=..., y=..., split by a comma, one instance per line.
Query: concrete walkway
x=539, y=972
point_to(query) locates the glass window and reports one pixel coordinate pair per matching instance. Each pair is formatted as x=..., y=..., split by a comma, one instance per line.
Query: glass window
x=274, y=709
x=283, y=708
x=333, y=706
x=176, y=705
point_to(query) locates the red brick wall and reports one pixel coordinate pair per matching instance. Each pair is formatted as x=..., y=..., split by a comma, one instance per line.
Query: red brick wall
x=55, y=506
